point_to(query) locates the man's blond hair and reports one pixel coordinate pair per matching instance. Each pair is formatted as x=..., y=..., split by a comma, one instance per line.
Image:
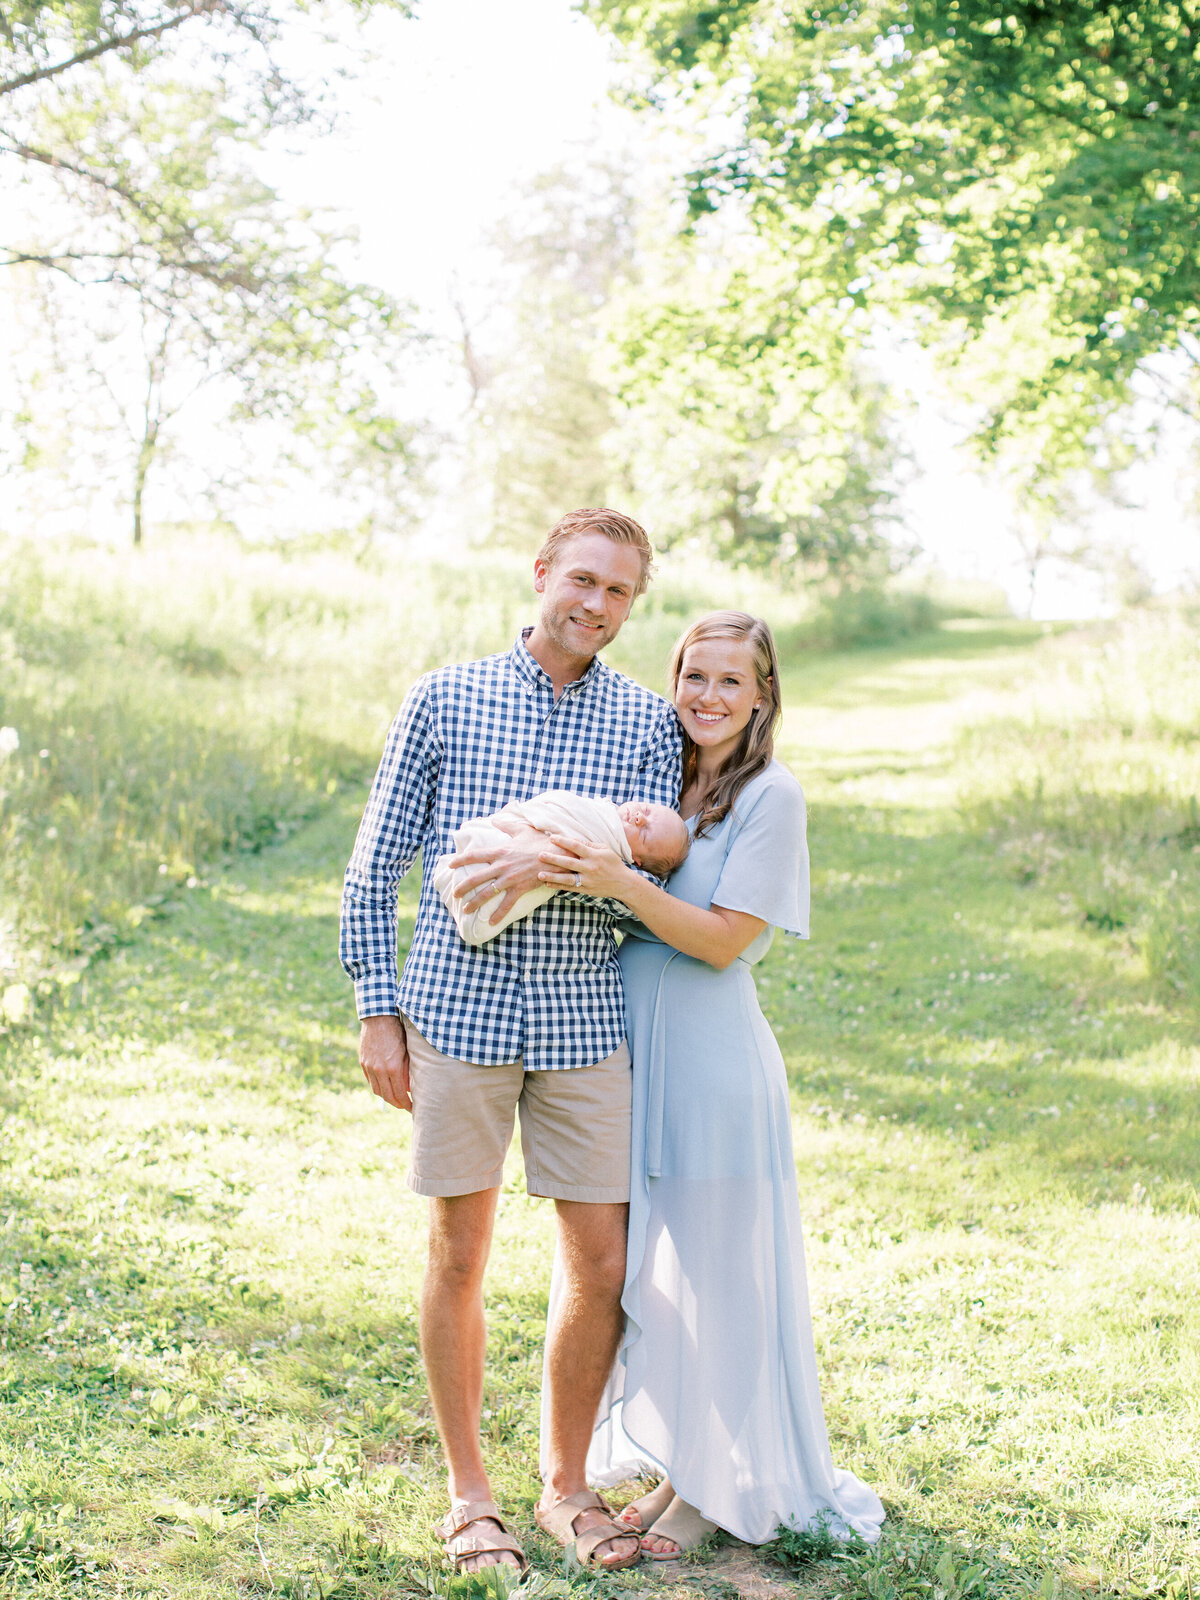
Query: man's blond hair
x=614, y=525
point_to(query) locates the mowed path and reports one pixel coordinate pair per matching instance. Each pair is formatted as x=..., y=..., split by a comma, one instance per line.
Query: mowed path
x=209, y=1260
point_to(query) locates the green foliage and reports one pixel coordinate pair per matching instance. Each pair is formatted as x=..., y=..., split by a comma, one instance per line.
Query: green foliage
x=749, y=427
x=542, y=413
x=981, y=168
x=621, y=377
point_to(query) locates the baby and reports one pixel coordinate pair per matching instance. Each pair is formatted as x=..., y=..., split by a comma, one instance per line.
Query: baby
x=647, y=835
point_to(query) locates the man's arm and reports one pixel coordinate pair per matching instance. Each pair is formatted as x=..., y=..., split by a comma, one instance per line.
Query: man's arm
x=390, y=835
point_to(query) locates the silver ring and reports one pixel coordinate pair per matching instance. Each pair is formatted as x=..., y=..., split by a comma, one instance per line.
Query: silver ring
x=578, y=881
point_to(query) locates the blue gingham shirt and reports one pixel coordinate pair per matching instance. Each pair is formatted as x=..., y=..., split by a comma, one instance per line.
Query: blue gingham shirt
x=467, y=740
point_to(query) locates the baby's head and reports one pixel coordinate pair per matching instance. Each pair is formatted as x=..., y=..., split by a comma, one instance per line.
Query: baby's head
x=657, y=836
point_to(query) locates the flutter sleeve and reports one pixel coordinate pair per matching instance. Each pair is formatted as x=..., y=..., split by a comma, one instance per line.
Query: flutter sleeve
x=766, y=866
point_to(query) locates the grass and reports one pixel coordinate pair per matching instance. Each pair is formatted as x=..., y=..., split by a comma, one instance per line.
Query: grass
x=209, y=1262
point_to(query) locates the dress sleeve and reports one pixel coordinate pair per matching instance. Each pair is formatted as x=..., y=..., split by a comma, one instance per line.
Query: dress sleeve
x=766, y=867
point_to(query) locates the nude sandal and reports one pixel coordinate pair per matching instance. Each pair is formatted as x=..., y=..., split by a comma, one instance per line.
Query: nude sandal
x=462, y=1546
x=648, y=1507
x=683, y=1525
x=559, y=1522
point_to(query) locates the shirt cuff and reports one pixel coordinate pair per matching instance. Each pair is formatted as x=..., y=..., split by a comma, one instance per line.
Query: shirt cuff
x=376, y=996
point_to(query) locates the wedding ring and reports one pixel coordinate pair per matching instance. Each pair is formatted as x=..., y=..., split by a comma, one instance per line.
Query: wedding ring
x=493, y=886
x=578, y=880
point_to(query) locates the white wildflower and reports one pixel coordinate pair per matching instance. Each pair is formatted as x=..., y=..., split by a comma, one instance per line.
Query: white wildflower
x=10, y=742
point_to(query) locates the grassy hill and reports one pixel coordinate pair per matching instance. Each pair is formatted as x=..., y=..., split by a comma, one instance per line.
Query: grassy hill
x=209, y=1260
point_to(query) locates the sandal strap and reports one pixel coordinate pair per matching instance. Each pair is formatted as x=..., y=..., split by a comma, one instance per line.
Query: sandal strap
x=460, y=1546
x=466, y=1512
x=473, y=1544
x=559, y=1519
x=587, y=1543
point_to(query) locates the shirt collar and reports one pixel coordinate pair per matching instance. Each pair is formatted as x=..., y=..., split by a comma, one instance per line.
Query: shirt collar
x=536, y=677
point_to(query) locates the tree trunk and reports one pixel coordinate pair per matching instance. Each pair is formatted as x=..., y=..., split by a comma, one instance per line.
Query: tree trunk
x=144, y=458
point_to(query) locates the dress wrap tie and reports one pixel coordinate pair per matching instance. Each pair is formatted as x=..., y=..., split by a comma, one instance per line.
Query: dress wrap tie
x=656, y=1077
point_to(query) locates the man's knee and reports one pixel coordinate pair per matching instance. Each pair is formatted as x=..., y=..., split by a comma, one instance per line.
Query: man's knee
x=594, y=1248
x=460, y=1235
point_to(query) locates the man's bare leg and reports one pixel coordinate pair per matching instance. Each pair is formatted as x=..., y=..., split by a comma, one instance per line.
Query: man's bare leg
x=581, y=1345
x=453, y=1342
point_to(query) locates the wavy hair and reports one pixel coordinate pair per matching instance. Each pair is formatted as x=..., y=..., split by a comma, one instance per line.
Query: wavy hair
x=756, y=748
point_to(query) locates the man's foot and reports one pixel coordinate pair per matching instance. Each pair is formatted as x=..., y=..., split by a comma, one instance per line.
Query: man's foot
x=476, y=1537
x=584, y=1521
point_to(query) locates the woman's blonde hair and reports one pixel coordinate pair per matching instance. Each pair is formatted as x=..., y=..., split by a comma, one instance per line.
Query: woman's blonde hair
x=756, y=749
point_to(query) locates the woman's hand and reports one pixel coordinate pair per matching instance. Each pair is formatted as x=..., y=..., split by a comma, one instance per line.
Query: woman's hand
x=589, y=868
x=511, y=872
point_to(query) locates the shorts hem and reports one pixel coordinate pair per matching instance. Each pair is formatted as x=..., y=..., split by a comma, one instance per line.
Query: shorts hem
x=451, y=1188
x=590, y=1194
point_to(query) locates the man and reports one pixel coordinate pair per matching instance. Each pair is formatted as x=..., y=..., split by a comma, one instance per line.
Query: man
x=533, y=1020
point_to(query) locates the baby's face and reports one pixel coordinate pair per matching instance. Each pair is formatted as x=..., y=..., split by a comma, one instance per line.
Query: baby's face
x=656, y=834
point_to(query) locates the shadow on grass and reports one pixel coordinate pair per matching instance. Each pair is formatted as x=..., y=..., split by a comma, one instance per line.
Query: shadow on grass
x=939, y=992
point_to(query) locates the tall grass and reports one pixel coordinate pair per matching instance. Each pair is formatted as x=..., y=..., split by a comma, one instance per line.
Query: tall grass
x=1091, y=785
x=203, y=698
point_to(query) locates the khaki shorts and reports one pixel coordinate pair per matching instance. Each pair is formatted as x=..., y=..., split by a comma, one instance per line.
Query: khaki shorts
x=575, y=1125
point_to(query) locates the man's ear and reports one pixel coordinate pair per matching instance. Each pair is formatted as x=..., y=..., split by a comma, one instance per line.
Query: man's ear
x=540, y=573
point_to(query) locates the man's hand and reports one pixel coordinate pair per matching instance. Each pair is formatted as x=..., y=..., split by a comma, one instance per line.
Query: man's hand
x=512, y=872
x=383, y=1056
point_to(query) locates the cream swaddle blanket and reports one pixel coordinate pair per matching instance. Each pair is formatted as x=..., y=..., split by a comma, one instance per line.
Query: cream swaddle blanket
x=555, y=811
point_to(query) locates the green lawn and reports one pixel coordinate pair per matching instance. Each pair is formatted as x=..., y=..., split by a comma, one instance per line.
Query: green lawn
x=209, y=1261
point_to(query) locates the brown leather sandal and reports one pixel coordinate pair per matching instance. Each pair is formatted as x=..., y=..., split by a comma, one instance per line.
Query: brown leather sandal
x=462, y=1546
x=559, y=1522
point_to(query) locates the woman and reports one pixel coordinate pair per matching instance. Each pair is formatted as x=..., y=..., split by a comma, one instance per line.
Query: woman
x=716, y=1384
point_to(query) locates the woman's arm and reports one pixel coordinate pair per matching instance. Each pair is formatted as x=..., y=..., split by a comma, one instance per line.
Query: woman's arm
x=717, y=936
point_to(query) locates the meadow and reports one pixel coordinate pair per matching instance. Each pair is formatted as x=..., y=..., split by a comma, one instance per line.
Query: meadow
x=208, y=1258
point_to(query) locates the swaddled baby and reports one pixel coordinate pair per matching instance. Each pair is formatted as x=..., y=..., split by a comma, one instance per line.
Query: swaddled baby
x=645, y=834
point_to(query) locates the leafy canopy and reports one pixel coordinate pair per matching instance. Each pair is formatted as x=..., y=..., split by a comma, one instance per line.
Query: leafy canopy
x=963, y=159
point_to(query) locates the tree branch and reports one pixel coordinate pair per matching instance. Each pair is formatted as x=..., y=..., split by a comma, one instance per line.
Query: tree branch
x=188, y=9
x=179, y=247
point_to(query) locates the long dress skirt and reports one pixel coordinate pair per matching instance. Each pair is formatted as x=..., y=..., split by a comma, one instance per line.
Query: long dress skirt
x=716, y=1380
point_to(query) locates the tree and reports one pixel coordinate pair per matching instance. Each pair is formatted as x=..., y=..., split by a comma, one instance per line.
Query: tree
x=749, y=424
x=45, y=40
x=961, y=162
x=616, y=372
x=59, y=56
x=291, y=344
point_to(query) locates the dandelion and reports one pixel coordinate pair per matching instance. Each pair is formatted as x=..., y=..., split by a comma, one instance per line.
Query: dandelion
x=10, y=742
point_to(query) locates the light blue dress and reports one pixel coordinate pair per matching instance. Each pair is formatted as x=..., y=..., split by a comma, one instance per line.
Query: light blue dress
x=716, y=1382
